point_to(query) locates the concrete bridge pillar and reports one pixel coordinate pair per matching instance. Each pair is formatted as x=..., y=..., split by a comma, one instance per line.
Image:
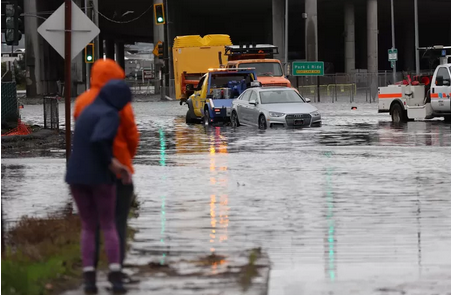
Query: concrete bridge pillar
x=109, y=48
x=44, y=66
x=311, y=30
x=372, y=35
x=278, y=26
x=349, y=38
x=33, y=49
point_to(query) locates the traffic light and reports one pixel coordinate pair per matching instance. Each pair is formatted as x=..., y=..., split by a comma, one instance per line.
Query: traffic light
x=13, y=23
x=159, y=14
x=89, y=53
x=161, y=49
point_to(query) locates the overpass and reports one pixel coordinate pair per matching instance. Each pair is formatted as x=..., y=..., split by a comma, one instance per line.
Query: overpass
x=346, y=34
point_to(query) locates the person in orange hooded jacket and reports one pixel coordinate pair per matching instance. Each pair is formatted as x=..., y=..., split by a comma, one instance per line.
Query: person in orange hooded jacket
x=125, y=143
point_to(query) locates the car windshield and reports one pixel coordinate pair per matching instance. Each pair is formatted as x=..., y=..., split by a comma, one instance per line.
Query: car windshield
x=264, y=69
x=280, y=96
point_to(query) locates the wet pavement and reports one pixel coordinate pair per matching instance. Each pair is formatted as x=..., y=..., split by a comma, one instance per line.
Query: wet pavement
x=358, y=206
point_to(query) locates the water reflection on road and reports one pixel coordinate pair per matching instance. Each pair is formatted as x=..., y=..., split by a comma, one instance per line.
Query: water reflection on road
x=353, y=205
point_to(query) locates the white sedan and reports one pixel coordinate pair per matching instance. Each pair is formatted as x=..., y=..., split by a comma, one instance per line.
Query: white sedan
x=273, y=106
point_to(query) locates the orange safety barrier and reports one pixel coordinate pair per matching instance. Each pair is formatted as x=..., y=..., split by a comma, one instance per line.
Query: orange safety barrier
x=21, y=129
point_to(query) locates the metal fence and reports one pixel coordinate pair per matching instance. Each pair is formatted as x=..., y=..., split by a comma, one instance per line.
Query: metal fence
x=10, y=107
x=351, y=88
x=357, y=87
x=139, y=87
x=51, y=112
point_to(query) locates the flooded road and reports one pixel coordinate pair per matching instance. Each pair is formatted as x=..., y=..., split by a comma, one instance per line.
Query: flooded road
x=357, y=206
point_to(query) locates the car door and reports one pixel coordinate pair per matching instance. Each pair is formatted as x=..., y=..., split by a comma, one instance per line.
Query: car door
x=198, y=104
x=243, y=106
x=253, y=110
x=441, y=91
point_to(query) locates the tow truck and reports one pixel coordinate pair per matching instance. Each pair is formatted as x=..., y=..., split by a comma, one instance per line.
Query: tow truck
x=426, y=97
x=261, y=57
x=211, y=101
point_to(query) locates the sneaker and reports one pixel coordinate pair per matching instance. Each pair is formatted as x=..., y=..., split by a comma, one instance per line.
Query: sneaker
x=90, y=282
x=115, y=278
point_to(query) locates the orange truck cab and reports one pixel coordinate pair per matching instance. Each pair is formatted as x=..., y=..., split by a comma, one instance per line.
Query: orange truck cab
x=261, y=57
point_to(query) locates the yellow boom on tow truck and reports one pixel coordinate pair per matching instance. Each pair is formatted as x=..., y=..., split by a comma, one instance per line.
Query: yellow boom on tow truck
x=193, y=56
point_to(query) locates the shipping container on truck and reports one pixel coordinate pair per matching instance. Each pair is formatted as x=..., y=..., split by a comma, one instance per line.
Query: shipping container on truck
x=193, y=56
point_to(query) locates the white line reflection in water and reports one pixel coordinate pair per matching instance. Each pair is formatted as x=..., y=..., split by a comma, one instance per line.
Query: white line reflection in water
x=331, y=268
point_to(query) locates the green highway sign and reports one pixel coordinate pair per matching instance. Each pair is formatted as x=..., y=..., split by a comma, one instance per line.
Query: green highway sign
x=308, y=68
x=393, y=54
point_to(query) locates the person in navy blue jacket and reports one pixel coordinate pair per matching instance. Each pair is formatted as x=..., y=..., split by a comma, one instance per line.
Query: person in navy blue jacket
x=91, y=174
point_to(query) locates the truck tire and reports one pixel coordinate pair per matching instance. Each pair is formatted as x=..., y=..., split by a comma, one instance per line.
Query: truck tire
x=190, y=119
x=206, y=117
x=398, y=114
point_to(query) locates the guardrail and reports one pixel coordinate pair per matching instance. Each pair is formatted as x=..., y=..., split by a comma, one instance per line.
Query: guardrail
x=351, y=88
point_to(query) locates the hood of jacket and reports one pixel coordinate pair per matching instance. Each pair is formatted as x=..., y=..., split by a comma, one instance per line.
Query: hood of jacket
x=105, y=70
x=116, y=93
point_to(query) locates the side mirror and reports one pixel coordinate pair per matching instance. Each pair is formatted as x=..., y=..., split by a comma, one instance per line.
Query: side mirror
x=253, y=102
x=307, y=100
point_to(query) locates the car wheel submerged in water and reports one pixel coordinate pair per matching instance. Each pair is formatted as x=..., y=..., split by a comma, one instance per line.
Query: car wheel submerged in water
x=262, y=122
x=234, y=119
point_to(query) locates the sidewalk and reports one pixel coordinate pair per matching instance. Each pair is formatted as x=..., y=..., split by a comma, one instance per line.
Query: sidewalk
x=210, y=275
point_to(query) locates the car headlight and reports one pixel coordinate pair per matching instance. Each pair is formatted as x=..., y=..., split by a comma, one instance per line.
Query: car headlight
x=315, y=114
x=276, y=114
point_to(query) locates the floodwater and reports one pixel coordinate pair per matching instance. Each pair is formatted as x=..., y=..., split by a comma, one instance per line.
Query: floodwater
x=358, y=206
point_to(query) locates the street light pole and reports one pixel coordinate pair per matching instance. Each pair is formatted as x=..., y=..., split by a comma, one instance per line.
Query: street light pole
x=393, y=37
x=417, y=41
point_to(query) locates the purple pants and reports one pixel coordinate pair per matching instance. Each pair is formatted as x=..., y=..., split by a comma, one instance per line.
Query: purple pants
x=96, y=205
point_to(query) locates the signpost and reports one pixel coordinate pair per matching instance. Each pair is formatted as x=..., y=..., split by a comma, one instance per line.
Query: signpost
x=393, y=56
x=68, y=30
x=309, y=69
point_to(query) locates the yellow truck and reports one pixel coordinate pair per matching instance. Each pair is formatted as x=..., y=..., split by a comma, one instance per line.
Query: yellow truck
x=192, y=57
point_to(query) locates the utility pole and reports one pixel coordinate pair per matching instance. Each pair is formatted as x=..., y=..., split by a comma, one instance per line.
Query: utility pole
x=67, y=82
x=417, y=40
x=393, y=37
